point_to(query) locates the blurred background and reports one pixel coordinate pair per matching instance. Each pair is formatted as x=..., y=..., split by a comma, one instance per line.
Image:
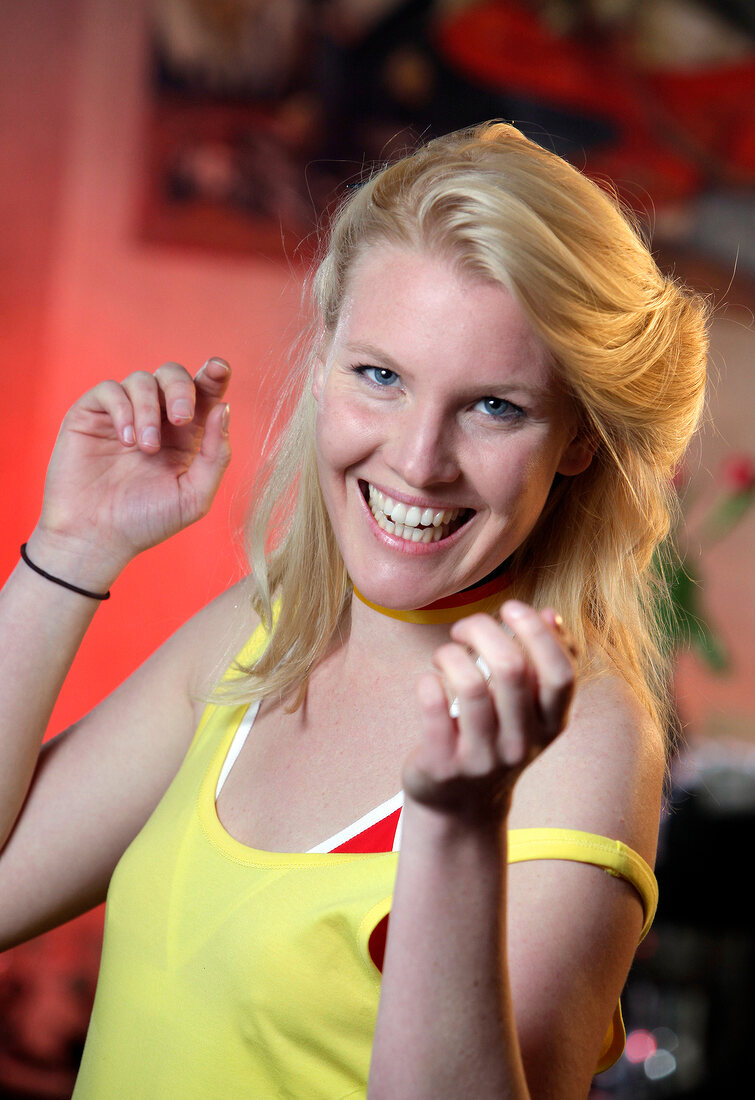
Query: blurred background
x=166, y=164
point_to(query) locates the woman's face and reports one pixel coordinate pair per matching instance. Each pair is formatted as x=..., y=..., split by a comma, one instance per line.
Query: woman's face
x=440, y=427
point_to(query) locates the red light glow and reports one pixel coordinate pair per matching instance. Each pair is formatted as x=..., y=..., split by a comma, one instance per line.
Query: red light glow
x=640, y=1045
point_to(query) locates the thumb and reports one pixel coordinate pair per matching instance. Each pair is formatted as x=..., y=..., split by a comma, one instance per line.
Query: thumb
x=204, y=475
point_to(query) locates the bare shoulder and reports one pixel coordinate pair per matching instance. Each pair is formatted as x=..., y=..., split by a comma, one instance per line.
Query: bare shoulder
x=208, y=642
x=603, y=774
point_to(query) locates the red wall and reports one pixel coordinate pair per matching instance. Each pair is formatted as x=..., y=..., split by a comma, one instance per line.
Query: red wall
x=81, y=298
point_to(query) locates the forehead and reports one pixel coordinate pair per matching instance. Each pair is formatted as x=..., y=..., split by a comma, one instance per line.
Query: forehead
x=413, y=305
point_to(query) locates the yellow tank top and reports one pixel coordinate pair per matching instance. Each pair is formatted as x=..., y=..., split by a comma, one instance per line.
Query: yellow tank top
x=231, y=972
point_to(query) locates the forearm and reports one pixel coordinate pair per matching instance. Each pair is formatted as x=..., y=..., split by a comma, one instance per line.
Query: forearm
x=134, y=463
x=42, y=625
x=445, y=1024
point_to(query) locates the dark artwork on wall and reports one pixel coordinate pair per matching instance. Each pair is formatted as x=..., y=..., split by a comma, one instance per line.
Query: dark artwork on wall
x=261, y=111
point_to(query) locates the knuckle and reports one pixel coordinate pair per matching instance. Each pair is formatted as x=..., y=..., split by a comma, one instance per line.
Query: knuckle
x=107, y=389
x=140, y=386
x=472, y=688
x=435, y=709
x=510, y=668
x=513, y=747
x=477, y=619
x=172, y=376
x=535, y=627
x=472, y=628
x=483, y=761
x=445, y=652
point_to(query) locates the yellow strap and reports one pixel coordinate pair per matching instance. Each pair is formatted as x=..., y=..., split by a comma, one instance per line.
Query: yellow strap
x=600, y=851
x=615, y=858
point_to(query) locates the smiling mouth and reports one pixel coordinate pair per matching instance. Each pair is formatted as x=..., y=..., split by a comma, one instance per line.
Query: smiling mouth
x=410, y=522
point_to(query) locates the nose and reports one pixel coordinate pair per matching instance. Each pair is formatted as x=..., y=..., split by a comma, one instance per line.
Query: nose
x=422, y=448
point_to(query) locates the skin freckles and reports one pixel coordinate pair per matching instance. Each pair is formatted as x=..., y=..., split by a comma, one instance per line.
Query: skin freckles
x=436, y=391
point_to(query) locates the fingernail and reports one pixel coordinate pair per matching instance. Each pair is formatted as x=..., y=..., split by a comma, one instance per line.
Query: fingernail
x=218, y=362
x=226, y=419
x=182, y=410
x=151, y=437
x=128, y=435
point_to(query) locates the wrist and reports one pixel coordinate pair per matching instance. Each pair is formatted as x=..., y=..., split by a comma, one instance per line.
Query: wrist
x=431, y=826
x=77, y=561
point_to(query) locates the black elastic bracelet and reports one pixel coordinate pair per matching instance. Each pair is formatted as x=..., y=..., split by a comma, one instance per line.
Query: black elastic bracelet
x=62, y=583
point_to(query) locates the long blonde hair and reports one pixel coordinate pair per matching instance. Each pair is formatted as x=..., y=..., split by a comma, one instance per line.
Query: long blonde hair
x=629, y=342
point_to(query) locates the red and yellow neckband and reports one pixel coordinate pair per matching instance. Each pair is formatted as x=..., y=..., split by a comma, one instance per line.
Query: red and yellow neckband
x=483, y=597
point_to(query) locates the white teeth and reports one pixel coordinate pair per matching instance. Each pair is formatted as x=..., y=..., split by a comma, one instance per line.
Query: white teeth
x=410, y=522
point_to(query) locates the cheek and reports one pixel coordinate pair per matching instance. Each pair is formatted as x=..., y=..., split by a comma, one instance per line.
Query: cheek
x=345, y=433
x=523, y=484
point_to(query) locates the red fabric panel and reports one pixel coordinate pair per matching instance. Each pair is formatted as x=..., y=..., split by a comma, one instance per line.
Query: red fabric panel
x=378, y=940
x=376, y=838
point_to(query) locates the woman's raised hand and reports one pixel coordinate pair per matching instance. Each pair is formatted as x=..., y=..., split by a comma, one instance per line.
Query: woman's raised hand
x=134, y=463
x=468, y=764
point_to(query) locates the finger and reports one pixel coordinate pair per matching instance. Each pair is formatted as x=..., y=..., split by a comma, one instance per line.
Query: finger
x=511, y=686
x=478, y=723
x=177, y=392
x=551, y=660
x=144, y=394
x=202, y=478
x=439, y=741
x=110, y=397
x=211, y=382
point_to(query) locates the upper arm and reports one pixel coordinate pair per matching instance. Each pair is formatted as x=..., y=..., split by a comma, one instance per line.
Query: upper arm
x=97, y=783
x=573, y=929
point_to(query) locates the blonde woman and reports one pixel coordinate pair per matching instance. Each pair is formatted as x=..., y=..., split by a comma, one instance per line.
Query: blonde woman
x=374, y=864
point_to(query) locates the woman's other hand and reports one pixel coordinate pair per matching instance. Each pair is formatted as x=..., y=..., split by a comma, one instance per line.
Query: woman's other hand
x=468, y=764
x=134, y=463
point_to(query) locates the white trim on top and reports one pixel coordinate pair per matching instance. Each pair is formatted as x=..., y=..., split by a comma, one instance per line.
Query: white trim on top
x=237, y=745
x=359, y=826
x=371, y=818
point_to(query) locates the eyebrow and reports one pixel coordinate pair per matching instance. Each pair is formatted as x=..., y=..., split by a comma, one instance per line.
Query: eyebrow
x=373, y=352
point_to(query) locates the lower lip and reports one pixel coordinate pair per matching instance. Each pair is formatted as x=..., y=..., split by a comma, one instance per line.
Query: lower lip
x=404, y=546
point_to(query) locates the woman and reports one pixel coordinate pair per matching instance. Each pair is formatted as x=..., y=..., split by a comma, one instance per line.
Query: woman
x=500, y=385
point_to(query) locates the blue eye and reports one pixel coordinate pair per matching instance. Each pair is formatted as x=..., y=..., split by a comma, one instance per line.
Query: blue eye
x=499, y=408
x=381, y=376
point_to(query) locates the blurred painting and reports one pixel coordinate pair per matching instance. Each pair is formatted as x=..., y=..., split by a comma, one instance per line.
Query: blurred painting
x=262, y=111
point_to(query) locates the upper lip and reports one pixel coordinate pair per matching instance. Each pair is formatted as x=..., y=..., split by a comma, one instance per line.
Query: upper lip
x=417, y=502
